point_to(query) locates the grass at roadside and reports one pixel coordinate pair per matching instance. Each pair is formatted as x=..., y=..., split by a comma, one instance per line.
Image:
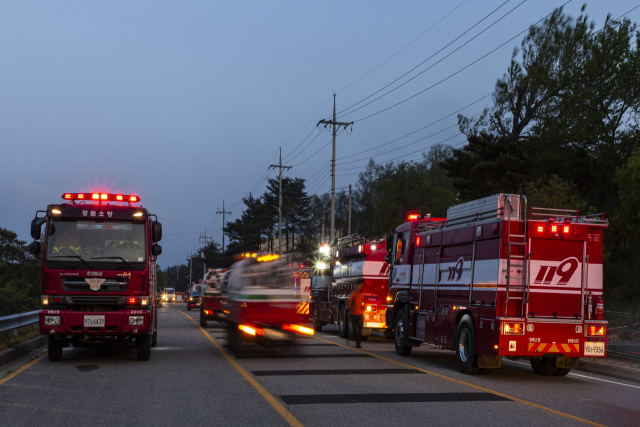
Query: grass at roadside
x=8, y=339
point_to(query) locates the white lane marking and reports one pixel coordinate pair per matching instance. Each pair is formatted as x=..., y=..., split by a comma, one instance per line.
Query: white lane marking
x=586, y=376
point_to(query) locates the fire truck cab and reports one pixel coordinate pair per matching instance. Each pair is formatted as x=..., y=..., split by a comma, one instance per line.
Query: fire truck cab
x=497, y=279
x=337, y=268
x=98, y=272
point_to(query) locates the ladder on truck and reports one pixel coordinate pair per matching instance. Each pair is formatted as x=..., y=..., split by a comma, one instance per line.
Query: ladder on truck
x=519, y=260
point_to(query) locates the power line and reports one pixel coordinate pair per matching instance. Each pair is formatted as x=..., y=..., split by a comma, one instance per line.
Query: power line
x=423, y=62
x=460, y=70
x=403, y=48
x=307, y=146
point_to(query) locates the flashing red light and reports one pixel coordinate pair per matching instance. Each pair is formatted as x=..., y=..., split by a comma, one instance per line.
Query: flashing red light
x=67, y=196
x=101, y=197
x=132, y=300
x=413, y=217
x=119, y=198
x=80, y=196
x=540, y=229
x=418, y=240
x=104, y=197
x=95, y=196
x=565, y=229
x=134, y=198
x=577, y=231
x=554, y=228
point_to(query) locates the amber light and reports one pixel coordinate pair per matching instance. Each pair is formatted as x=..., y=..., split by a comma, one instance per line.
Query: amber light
x=513, y=329
x=595, y=331
x=298, y=328
x=251, y=331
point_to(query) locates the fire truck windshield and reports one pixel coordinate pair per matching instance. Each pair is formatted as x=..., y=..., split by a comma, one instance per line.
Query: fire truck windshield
x=96, y=242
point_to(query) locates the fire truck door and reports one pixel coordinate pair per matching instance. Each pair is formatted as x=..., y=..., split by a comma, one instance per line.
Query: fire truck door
x=427, y=292
x=556, y=277
x=401, y=275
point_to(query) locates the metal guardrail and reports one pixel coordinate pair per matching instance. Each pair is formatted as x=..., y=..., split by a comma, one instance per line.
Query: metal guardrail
x=16, y=321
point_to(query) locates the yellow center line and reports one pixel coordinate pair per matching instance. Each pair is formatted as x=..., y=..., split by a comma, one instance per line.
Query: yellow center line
x=22, y=369
x=477, y=387
x=288, y=416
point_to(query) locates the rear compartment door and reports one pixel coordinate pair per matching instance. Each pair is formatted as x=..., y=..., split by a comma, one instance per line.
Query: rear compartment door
x=555, y=278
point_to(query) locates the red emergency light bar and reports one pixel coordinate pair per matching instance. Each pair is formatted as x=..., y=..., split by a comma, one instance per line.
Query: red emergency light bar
x=101, y=197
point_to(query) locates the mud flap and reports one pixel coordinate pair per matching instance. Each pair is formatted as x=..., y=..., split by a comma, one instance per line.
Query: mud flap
x=485, y=361
x=566, y=362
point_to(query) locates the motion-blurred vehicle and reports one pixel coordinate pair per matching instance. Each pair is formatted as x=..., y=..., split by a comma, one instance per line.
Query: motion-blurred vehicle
x=262, y=302
x=98, y=272
x=193, y=300
x=214, y=297
x=180, y=297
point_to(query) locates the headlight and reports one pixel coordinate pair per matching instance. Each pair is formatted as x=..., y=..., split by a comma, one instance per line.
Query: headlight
x=45, y=299
x=164, y=297
x=190, y=298
x=52, y=320
x=136, y=320
x=144, y=300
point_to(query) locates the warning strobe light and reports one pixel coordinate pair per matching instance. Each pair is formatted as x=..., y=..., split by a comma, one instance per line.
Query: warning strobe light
x=418, y=240
x=102, y=197
x=513, y=329
x=554, y=228
x=540, y=229
x=565, y=229
x=413, y=217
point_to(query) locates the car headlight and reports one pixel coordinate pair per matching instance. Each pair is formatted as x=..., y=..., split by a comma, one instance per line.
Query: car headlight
x=52, y=320
x=136, y=320
x=190, y=298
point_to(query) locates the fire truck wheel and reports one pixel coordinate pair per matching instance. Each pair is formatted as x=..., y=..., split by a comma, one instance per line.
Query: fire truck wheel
x=343, y=323
x=143, y=344
x=402, y=335
x=562, y=372
x=203, y=319
x=55, y=349
x=543, y=366
x=154, y=338
x=388, y=334
x=466, y=346
x=317, y=325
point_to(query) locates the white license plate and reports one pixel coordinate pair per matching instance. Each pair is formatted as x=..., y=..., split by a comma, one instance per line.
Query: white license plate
x=94, y=321
x=372, y=325
x=594, y=349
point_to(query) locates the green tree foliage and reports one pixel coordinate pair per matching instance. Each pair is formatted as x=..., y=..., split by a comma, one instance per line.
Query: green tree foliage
x=20, y=276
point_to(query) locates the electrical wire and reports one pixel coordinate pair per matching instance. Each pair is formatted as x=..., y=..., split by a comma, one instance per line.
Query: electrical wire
x=403, y=48
x=459, y=71
x=343, y=112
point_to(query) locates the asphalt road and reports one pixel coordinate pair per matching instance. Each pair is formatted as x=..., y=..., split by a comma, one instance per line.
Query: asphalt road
x=315, y=381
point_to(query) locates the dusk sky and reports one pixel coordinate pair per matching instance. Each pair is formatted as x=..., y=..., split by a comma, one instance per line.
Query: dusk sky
x=186, y=103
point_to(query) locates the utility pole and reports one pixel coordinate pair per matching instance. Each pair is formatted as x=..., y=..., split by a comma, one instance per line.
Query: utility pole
x=322, y=237
x=224, y=214
x=190, y=266
x=279, y=166
x=349, y=226
x=177, y=271
x=333, y=165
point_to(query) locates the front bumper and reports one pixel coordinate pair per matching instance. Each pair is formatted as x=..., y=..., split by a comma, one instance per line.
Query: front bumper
x=553, y=337
x=116, y=323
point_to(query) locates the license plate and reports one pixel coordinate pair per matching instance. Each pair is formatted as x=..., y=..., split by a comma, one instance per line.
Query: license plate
x=93, y=321
x=594, y=349
x=373, y=325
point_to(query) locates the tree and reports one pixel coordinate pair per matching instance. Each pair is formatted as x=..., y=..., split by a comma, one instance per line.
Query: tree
x=20, y=276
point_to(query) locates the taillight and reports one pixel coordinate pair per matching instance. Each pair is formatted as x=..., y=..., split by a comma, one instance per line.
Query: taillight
x=298, y=328
x=595, y=331
x=250, y=330
x=513, y=329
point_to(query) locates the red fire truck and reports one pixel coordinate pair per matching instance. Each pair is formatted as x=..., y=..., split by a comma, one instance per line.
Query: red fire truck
x=261, y=301
x=98, y=272
x=497, y=279
x=214, y=298
x=336, y=270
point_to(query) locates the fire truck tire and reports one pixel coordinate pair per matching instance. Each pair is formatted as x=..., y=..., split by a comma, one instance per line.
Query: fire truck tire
x=466, y=346
x=343, y=323
x=401, y=336
x=143, y=344
x=543, y=366
x=154, y=338
x=203, y=319
x=317, y=325
x=55, y=349
x=562, y=372
x=388, y=334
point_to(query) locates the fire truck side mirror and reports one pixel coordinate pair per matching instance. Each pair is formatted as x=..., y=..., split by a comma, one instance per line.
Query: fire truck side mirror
x=35, y=229
x=388, y=259
x=34, y=247
x=156, y=249
x=390, y=243
x=156, y=231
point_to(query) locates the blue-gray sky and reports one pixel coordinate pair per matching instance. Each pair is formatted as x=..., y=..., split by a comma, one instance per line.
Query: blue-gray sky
x=185, y=103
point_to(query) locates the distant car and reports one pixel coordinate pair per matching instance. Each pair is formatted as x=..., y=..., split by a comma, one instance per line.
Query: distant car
x=193, y=300
x=169, y=295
